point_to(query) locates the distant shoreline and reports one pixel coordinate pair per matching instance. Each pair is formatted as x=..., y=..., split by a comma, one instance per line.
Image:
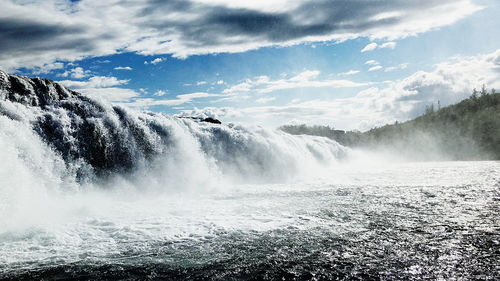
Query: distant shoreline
x=468, y=130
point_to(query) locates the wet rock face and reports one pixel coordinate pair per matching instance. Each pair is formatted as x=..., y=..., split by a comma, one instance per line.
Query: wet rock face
x=206, y=120
x=98, y=138
x=32, y=91
x=211, y=120
x=102, y=138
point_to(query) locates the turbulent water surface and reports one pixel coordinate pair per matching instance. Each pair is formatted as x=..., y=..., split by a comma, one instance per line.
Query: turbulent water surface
x=425, y=220
x=94, y=191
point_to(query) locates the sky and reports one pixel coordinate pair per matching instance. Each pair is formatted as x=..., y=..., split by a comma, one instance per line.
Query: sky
x=349, y=64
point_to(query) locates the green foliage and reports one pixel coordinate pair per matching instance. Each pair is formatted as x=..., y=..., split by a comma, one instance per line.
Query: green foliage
x=467, y=130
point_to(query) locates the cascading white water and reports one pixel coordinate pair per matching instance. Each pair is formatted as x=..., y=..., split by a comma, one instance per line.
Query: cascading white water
x=30, y=172
x=185, y=146
x=57, y=143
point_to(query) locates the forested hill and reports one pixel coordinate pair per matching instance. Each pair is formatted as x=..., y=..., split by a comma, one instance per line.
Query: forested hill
x=467, y=130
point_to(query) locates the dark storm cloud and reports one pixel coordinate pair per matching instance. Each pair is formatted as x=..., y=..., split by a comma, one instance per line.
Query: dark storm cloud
x=19, y=34
x=271, y=26
x=218, y=24
x=90, y=27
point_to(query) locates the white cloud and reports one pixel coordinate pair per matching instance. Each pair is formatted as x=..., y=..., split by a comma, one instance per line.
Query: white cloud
x=449, y=83
x=373, y=46
x=369, y=47
x=46, y=68
x=36, y=33
x=160, y=93
x=123, y=68
x=238, y=92
x=374, y=68
x=214, y=112
x=232, y=98
x=76, y=73
x=350, y=72
x=180, y=99
x=94, y=82
x=241, y=87
x=388, y=45
x=305, y=79
x=220, y=82
x=155, y=61
x=372, y=62
x=199, y=83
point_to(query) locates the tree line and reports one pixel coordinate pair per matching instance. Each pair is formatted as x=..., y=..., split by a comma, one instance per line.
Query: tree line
x=467, y=130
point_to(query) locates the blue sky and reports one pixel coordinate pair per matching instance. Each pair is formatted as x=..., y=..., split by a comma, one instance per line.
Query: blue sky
x=268, y=63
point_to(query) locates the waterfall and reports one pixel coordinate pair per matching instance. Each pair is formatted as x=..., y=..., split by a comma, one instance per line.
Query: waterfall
x=49, y=129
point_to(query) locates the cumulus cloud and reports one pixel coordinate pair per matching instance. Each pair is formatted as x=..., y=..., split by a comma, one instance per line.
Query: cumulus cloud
x=102, y=87
x=388, y=45
x=160, y=93
x=350, y=72
x=449, y=82
x=401, y=100
x=374, y=68
x=76, y=73
x=48, y=67
x=369, y=47
x=238, y=92
x=123, y=68
x=36, y=33
x=372, y=62
x=373, y=46
x=155, y=61
x=94, y=82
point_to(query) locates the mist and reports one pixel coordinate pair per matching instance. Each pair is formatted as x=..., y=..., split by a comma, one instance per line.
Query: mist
x=468, y=130
x=67, y=157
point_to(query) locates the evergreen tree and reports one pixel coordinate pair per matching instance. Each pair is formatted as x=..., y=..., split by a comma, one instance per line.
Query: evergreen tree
x=474, y=94
x=483, y=90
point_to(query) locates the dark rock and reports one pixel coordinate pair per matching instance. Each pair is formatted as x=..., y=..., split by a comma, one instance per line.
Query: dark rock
x=200, y=119
x=105, y=138
x=211, y=120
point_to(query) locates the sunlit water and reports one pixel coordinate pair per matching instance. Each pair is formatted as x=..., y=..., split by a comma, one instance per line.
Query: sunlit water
x=433, y=220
